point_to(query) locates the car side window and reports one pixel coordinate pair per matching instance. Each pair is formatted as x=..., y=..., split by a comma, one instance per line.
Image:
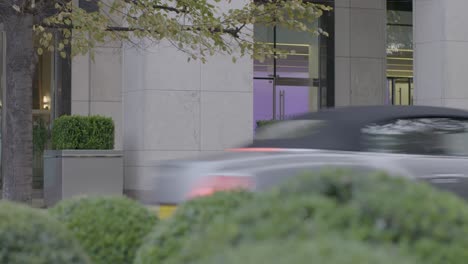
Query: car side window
x=422, y=136
x=288, y=129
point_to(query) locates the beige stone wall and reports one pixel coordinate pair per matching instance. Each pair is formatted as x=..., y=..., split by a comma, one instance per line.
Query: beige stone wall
x=441, y=57
x=360, y=56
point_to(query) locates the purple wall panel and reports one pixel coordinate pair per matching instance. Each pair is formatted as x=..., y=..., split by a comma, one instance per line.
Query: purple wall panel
x=296, y=99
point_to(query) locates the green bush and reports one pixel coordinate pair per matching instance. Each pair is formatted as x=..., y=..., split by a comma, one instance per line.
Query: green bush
x=30, y=236
x=329, y=250
x=377, y=208
x=110, y=229
x=191, y=218
x=266, y=217
x=39, y=136
x=430, y=223
x=83, y=132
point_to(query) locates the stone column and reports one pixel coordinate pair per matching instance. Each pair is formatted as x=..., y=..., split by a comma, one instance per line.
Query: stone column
x=175, y=109
x=360, y=56
x=441, y=53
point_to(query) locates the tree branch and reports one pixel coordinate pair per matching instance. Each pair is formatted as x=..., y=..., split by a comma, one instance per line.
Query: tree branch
x=109, y=28
x=162, y=7
x=169, y=8
x=123, y=29
x=234, y=32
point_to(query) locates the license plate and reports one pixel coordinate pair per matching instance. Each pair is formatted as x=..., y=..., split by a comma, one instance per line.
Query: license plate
x=166, y=211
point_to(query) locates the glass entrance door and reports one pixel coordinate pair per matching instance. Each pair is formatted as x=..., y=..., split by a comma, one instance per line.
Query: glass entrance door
x=401, y=90
x=285, y=87
x=295, y=96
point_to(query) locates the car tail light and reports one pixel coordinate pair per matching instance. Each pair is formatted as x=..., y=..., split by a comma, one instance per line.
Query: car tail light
x=221, y=183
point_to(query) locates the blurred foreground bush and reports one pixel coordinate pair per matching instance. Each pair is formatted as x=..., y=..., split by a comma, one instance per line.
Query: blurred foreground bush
x=30, y=236
x=330, y=250
x=110, y=229
x=377, y=208
x=193, y=217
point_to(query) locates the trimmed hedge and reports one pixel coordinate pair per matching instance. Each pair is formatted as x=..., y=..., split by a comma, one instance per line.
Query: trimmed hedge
x=31, y=236
x=191, y=218
x=83, y=132
x=329, y=250
x=110, y=229
x=377, y=208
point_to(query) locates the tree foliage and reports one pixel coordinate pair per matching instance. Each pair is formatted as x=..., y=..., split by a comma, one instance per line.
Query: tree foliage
x=198, y=27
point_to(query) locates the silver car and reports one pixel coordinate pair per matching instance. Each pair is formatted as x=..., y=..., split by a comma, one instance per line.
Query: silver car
x=419, y=142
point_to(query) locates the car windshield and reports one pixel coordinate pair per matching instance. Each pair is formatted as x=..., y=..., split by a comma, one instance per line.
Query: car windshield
x=288, y=129
x=429, y=136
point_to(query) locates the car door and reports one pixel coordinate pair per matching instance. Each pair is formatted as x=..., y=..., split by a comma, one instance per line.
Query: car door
x=434, y=150
x=446, y=173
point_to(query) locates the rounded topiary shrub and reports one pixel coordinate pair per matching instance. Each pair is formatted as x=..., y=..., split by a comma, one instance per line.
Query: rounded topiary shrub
x=375, y=208
x=110, y=229
x=329, y=250
x=193, y=217
x=31, y=236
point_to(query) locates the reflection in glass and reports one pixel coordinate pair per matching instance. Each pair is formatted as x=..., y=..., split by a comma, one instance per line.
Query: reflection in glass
x=289, y=129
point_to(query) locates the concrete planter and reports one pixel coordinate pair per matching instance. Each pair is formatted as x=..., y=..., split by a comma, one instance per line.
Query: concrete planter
x=69, y=173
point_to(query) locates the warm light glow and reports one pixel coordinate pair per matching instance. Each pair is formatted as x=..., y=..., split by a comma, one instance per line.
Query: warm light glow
x=46, y=102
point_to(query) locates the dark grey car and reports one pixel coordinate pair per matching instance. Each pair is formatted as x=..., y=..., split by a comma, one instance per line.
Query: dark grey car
x=422, y=143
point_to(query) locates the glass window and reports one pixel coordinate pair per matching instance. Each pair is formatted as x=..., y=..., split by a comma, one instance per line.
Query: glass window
x=400, y=52
x=44, y=81
x=288, y=129
x=426, y=136
x=303, y=81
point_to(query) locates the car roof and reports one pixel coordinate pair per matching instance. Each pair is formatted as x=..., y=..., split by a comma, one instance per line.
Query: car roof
x=342, y=129
x=372, y=114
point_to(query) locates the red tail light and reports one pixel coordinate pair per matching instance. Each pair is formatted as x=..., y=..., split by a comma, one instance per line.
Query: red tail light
x=221, y=183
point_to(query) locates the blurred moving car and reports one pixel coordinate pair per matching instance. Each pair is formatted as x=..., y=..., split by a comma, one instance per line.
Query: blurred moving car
x=419, y=142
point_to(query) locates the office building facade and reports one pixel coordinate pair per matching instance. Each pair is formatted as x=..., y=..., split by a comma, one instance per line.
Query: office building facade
x=377, y=52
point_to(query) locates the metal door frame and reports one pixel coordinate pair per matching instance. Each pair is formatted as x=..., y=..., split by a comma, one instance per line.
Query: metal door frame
x=288, y=81
x=393, y=81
